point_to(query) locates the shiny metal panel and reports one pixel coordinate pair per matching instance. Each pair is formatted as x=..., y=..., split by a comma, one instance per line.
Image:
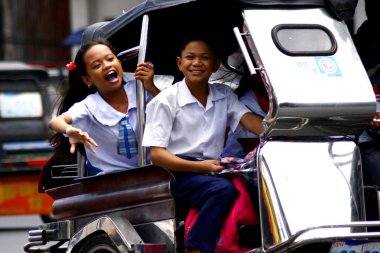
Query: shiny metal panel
x=312, y=95
x=308, y=184
x=119, y=230
x=63, y=229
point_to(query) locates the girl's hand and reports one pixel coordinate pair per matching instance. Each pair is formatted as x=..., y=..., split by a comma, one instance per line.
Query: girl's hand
x=76, y=136
x=145, y=72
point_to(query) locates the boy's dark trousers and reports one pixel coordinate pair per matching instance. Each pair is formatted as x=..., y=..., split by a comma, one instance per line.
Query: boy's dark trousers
x=213, y=196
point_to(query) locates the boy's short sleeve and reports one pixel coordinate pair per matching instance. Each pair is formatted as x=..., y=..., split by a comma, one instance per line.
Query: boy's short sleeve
x=159, y=122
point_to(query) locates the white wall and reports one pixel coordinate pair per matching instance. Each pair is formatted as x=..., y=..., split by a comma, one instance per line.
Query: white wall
x=110, y=9
x=87, y=12
x=79, y=15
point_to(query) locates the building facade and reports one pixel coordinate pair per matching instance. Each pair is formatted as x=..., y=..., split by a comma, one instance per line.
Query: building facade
x=33, y=31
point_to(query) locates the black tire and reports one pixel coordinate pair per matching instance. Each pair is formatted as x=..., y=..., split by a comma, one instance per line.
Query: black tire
x=99, y=243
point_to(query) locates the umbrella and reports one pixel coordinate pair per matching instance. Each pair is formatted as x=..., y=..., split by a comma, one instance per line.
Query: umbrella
x=169, y=22
x=74, y=38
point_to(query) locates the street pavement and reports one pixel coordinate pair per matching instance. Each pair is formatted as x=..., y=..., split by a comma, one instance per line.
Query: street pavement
x=14, y=231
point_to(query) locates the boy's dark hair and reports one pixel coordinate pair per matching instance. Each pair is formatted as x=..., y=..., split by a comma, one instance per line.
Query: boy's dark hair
x=200, y=37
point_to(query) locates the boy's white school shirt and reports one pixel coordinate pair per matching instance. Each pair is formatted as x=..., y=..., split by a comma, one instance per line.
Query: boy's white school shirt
x=233, y=148
x=177, y=121
x=101, y=121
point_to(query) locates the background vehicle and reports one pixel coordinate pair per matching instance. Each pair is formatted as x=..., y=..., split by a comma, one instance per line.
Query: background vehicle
x=309, y=169
x=25, y=109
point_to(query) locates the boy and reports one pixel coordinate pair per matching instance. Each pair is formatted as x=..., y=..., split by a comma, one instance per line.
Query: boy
x=185, y=129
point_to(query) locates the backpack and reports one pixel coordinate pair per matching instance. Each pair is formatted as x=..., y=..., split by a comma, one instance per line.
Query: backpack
x=242, y=214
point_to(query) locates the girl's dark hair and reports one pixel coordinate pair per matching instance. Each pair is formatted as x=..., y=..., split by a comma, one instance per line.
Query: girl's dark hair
x=75, y=89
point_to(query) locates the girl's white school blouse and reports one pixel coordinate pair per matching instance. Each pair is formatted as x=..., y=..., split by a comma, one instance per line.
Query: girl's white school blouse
x=101, y=121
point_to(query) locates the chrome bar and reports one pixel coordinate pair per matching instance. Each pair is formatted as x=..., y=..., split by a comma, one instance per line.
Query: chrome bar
x=244, y=51
x=81, y=165
x=141, y=92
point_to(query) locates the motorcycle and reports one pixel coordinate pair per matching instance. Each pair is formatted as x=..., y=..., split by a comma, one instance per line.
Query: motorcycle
x=310, y=188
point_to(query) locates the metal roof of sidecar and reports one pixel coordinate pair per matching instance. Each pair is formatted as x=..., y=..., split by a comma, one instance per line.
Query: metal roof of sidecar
x=106, y=29
x=170, y=20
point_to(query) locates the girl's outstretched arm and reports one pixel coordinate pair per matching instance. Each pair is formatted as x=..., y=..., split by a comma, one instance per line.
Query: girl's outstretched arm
x=62, y=124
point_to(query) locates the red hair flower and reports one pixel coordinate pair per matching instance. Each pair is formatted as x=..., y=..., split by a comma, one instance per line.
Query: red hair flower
x=71, y=66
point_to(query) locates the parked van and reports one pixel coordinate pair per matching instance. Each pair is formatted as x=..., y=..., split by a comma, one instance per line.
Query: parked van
x=25, y=109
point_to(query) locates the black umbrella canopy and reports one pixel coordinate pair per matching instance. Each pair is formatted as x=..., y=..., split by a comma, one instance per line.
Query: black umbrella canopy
x=74, y=38
x=171, y=20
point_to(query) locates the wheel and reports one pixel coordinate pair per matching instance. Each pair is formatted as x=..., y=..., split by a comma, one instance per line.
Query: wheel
x=99, y=243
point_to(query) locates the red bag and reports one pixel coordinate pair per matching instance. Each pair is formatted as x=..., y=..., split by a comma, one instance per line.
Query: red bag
x=241, y=212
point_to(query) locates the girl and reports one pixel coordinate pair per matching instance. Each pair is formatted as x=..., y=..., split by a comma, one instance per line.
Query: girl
x=97, y=105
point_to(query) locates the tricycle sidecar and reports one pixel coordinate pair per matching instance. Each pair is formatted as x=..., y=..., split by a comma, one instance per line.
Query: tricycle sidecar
x=310, y=189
